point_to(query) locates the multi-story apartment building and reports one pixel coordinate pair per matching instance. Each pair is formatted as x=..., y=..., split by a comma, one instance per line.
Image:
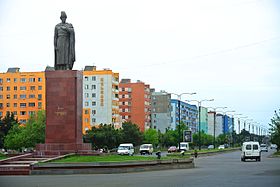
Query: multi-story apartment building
x=219, y=124
x=161, y=110
x=135, y=103
x=100, y=98
x=188, y=114
x=211, y=123
x=22, y=93
x=204, y=119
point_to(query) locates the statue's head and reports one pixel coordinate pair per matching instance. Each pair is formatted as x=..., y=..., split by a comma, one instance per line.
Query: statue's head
x=63, y=16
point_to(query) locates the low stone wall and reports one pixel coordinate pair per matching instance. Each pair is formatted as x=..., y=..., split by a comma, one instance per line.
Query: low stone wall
x=109, y=168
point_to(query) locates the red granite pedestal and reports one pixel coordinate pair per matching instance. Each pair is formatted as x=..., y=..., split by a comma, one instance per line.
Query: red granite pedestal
x=63, y=114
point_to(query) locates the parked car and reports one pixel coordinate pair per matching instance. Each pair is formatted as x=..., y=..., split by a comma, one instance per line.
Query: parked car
x=146, y=149
x=210, y=147
x=184, y=146
x=273, y=146
x=221, y=147
x=126, y=149
x=172, y=149
x=250, y=150
x=264, y=148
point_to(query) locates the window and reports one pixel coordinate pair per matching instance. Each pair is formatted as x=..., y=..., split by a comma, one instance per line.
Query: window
x=86, y=111
x=22, y=105
x=1, y=96
x=93, y=120
x=1, y=80
x=1, y=105
x=1, y=114
x=31, y=79
x=86, y=103
x=22, y=121
x=22, y=96
x=86, y=95
x=31, y=96
x=23, y=88
x=86, y=78
x=255, y=147
x=15, y=96
x=86, y=120
x=40, y=88
x=22, y=79
x=31, y=104
x=1, y=88
x=93, y=95
x=40, y=79
x=39, y=96
x=93, y=103
x=32, y=87
x=248, y=147
x=15, y=112
x=86, y=87
x=8, y=88
x=15, y=79
x=39, y=105
x=93, y=112
x=15, y=105
x=93, y=87
x=93, y=78
x=8, y=104
x=15, y=87
x=8, y=96
x=31, y=113
x=8, y=80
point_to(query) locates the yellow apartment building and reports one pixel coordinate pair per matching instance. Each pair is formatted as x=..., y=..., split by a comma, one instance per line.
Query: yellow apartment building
x=22, y=93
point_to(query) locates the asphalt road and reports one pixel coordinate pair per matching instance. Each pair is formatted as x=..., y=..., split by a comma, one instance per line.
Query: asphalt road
x=218, y=170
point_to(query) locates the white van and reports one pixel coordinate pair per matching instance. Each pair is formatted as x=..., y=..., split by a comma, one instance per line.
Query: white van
x=146, y=149
x=251, y=150
x=126, y=149
x=184, y=146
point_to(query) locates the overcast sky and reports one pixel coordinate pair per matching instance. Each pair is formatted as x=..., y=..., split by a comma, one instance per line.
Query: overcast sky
x=227, y=50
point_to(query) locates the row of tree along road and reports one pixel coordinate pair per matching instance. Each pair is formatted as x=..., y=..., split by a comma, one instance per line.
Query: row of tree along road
x=19, y=137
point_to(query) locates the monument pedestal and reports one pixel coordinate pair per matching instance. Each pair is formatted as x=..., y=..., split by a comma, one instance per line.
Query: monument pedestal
x=63, y=114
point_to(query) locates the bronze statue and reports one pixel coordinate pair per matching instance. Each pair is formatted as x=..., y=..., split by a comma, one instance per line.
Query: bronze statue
x=64, y=44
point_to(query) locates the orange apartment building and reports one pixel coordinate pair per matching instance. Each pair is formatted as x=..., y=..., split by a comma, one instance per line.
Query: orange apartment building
x=22, y=93
x=135, y=103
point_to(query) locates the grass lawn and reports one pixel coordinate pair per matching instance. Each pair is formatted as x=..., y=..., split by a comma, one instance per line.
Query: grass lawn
x=2, y=156
x=277, y=154
x=108, y=158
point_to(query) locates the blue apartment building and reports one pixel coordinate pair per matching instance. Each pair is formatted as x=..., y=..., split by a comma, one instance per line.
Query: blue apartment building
x=188, y=114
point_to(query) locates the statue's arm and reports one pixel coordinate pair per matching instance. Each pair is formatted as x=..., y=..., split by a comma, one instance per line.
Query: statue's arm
x=55, y=38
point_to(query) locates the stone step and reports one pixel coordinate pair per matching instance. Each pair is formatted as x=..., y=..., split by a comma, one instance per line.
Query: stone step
x=20, y=162
x=34, y=159
x=15, y=169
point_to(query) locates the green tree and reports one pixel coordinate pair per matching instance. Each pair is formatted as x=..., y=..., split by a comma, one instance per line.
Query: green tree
x=151, y=136
x=29, y=135
x=169, y=138
x=275, y=129
x=6, y=125
x=103, y=136
x=131, y=134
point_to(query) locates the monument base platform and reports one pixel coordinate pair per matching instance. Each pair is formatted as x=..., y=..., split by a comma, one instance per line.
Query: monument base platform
x=63, y=148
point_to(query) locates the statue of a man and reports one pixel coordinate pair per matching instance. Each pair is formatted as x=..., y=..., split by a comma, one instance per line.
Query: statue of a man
x=64, y=44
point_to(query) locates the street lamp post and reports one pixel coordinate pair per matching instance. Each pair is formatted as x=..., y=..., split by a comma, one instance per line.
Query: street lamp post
x=224, y=113
x=214, y=109
x=179, y=106
x=199, y=118
x=233, y=137
x=239, y=123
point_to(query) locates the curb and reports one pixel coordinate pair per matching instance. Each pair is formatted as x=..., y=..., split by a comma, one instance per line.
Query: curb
x=110, y=168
